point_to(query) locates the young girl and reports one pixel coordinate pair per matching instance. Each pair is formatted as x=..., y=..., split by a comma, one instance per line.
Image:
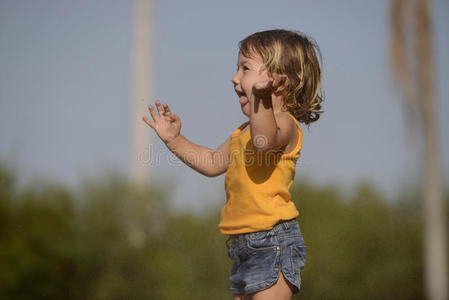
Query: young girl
x=278, y=82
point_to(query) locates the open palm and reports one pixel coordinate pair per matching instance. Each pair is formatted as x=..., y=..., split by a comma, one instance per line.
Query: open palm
x=166, y=124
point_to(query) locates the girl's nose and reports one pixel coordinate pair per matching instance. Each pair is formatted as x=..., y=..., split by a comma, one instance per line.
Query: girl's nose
x=235, y=79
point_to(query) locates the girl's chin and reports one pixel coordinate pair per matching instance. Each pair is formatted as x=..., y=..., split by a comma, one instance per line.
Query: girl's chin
x=245, y=109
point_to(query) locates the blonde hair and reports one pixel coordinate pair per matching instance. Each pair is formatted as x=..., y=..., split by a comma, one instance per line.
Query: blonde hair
x=297, y=56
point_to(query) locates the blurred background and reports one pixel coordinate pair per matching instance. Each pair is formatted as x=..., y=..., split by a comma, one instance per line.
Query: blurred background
x=75, y=80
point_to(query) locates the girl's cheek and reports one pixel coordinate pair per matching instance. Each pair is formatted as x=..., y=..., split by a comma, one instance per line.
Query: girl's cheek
x=245, y=83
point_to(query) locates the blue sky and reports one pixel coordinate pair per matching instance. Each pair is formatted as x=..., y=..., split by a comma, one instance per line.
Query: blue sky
x=65, y=88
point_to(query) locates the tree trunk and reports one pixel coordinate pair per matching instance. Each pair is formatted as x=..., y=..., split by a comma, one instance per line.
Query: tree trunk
x=417, y=87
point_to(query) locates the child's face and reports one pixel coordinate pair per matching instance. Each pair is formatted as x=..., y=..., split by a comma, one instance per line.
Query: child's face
x=251, y=70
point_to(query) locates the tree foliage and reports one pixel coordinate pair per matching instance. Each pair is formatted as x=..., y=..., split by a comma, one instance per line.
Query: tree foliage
x=112, y=240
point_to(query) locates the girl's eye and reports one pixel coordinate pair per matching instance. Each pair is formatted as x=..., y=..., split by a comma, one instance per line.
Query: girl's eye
x=243, y=67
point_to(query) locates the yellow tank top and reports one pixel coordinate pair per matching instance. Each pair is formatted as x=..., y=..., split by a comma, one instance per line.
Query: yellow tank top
x=257, y=185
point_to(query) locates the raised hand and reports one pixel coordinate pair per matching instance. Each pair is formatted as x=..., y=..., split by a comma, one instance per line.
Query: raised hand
x=265, y=88
x=166, y=124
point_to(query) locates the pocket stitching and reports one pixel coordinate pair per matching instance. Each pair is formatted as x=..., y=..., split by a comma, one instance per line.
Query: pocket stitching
x=267, y=248
x=294, y=249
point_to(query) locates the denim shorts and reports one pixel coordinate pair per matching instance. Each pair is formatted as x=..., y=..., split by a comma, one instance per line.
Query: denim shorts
x=260, y=256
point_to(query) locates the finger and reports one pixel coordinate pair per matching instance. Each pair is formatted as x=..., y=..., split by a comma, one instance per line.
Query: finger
x=277, y=76
x=279, y=79
x=260, y=86
x=149, y=123
x=153, y=113
x=160, y=110
x=167, y=111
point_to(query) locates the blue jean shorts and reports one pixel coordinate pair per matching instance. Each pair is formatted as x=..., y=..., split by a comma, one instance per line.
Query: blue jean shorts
x=260, y=256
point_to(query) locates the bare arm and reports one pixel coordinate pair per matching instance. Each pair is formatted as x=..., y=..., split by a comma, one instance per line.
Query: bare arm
x=268, y=131
x=203, y=160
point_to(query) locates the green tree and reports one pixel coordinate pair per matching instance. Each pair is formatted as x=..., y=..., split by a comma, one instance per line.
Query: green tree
x=111, y=240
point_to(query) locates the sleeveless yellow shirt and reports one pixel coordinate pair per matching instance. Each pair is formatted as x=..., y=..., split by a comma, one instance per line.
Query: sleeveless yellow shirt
x=257, y=185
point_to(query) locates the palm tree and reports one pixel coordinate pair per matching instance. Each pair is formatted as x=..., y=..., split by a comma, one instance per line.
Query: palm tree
x=411, y=53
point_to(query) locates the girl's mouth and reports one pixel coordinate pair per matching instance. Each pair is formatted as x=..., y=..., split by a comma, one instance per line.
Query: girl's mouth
x=243, y=99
